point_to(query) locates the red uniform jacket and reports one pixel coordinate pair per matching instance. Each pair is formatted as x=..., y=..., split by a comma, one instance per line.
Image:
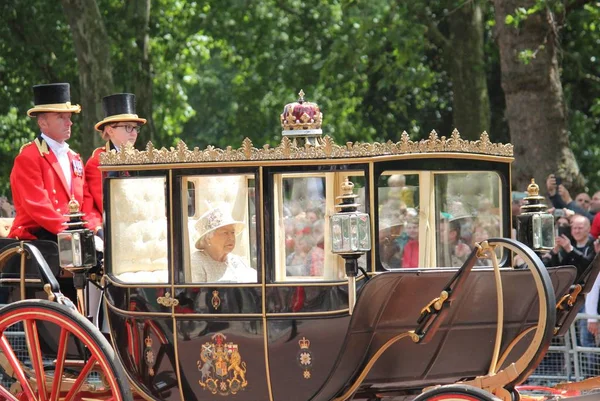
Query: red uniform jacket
x=93, y=188
x=40, y=192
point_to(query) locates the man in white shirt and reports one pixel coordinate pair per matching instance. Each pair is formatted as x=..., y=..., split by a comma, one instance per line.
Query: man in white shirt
x=46, y=174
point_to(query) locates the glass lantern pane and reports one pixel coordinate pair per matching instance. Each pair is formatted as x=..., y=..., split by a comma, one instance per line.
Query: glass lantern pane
x=364, y=233
x=336, y=229
x=65, y=249
x=353, y=233
x=536, y=226
x=345, y=234
x=547, y=231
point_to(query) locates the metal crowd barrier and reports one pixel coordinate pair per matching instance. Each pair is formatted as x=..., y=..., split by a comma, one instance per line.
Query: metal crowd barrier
x=568, y=358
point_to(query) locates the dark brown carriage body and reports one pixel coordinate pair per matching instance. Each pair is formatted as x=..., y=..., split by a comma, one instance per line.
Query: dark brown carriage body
x=273, y=333
x=388, y=304
x=301, y=339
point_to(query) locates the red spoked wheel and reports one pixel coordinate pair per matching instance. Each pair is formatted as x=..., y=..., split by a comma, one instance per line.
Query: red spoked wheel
x=49, y=352
x=456, y=392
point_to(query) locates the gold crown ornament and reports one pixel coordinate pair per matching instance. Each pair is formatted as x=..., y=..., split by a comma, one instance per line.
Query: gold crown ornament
x=301, y=116
x=304, y=343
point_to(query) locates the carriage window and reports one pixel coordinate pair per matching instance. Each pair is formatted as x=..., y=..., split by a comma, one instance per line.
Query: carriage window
x=467, y=212
x=220, y=235
x=138, y=222
x=399, y=219
x=302, y=208
x=191, y=200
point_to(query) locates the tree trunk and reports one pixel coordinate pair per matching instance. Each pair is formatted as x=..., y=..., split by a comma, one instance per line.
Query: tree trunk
x=143, y=73
x=466, y=64
x=92, y=46
x=535, y=106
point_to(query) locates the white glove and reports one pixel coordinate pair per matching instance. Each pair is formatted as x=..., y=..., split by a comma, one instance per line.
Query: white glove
x=99, y=244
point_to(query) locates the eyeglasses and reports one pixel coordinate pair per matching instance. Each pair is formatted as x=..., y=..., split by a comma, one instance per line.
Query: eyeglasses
x=129, y=128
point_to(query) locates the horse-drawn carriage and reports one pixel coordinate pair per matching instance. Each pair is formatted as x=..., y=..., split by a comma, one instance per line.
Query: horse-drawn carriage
x=369, y=271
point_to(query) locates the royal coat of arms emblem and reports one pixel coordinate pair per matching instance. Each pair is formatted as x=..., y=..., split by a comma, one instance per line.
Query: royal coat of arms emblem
x=221, y=367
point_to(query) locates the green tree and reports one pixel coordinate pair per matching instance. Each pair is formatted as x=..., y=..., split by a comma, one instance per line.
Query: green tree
x=535, y=104
x=30, y=53
x=94, y=62
x=214, y=72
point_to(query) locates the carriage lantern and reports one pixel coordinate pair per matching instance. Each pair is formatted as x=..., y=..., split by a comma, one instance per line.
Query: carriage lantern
x=535, y=227
x=76, y=247
x=351, y=235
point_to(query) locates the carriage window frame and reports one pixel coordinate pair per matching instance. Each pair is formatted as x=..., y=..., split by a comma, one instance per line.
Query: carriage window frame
x=243, y=209
x=333, y=265
x=115, y=237
x=427, y=213
x=422, y=213
x=497, y=192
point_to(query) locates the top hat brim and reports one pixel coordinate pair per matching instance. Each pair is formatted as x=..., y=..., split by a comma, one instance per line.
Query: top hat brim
x=239, y=227
x=54, y=108
x=120, y=118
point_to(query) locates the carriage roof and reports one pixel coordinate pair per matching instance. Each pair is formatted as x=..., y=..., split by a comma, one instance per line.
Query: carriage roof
x=289, y=152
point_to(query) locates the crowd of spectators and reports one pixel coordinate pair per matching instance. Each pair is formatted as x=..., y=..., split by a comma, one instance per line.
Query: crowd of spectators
x=577, y=227
x=7, y=214
x=460, y=225
x=304, y=238
x=6, y=208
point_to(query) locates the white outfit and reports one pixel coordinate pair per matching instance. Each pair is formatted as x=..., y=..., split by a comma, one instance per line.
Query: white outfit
x=591, y=300
x=61, y=151
x=207, y=270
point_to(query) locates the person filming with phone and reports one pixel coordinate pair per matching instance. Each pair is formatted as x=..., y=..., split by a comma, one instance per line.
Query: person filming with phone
x=578, y=250
x=561, y=198
x=573, y=244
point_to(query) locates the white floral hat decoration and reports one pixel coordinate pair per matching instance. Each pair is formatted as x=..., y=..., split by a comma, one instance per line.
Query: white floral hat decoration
x=213, y=219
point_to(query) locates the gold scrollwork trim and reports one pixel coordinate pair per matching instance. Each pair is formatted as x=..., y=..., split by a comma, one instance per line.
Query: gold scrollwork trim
x=167, y=300
x=288, y=150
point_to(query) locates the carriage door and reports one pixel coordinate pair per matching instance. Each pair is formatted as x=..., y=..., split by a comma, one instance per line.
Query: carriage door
x=306, y=289
x=219, y=320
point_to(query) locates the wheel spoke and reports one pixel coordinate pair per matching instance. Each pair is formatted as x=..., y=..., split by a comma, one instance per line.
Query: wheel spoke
x=16, y=365
x=69, y=379
x=60, y=364
x=33, y=340
x=5, y=394
x=82, y=376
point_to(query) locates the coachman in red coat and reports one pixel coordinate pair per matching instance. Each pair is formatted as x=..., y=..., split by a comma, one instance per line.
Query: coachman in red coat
x=120, y=125
x=47, y=174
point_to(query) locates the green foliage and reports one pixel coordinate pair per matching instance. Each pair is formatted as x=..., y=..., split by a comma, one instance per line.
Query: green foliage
x=222, y=70
x=364, y=62
x=16, y=130
x=35, y=48
x=580, y=76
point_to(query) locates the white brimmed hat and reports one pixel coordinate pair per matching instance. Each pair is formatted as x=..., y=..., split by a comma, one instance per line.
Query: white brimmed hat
x=213, y=219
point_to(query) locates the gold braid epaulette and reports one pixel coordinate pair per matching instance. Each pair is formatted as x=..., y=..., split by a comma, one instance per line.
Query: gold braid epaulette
x=24, y=146
x=42, y=146
x=101, y=148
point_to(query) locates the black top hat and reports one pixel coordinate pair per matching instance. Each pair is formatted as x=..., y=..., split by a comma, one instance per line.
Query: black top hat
x=54, y=98
x=119, y=107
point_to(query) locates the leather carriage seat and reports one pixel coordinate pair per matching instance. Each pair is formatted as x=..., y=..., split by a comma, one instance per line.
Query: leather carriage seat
x=10, y=268
x=390, y=303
